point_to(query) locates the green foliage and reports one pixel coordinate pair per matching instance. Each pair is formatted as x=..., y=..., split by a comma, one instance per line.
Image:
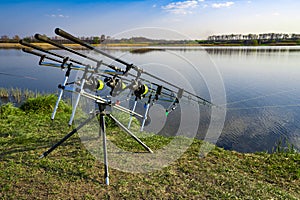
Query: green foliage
x=8, y=110
x=254, y=42
x=44, y=104
x=284, y=146
x=96, y=40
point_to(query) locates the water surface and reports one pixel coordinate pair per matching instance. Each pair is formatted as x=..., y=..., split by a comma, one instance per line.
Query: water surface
x=261, y=85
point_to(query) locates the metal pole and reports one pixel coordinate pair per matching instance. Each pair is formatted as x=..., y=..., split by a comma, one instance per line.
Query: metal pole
x=133, y=109
x=76, y=103
x=61, y=92
x=130, y=133
x=68, y=135
x=103, y=133
x=145, y=117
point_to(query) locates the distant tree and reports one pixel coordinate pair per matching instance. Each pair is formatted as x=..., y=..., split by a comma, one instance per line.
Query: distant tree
x=96, y=40
x=16, y=38
x=4, y=38
x=27, y=39
x=285, y=36
x=254, y=42
x=102, y=38
x=254, y=39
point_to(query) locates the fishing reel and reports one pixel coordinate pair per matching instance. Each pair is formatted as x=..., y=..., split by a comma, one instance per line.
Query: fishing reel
x=115, y=84
x=94, y=84
x=139, y=90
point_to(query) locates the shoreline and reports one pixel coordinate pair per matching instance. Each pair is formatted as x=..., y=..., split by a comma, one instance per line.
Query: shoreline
x=73, y=46
x=79, y=47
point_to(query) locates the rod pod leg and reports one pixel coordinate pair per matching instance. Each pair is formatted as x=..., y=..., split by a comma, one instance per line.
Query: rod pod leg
x=103, y=133
x=130, y=133
x=93, y=115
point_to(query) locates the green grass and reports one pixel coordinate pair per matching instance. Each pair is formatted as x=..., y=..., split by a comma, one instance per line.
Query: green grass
x=71, y=172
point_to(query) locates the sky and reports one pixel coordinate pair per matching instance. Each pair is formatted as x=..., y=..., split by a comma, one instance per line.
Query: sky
x=159, y=19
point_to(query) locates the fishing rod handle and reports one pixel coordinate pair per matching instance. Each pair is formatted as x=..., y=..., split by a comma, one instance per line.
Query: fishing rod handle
x=66, y=35
x=72, y=38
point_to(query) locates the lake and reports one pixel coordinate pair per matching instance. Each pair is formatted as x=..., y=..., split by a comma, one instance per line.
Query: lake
x=257, y=86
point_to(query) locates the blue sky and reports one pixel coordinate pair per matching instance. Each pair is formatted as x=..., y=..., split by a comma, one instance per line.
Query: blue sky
x=194, y=19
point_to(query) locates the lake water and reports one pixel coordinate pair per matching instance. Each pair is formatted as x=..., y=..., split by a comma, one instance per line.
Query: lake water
x=261, y=87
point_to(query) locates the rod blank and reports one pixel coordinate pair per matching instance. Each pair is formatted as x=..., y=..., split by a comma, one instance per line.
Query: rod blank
x=72, y=38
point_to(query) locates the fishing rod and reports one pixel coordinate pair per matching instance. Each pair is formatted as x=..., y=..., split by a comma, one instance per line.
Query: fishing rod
x=24, y=43
x=66, y=63
x=49, y=41
x=129, y=66
x=80, y=68
x=63, y=65
x=138, y=92
x=70, y=37
x=80, y=91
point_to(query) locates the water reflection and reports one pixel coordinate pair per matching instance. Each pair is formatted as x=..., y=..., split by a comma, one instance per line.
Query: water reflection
x=250, y=50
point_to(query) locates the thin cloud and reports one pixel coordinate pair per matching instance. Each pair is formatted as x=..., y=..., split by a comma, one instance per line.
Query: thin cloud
x=223, y=5
x=58, y=16
x=182, y=7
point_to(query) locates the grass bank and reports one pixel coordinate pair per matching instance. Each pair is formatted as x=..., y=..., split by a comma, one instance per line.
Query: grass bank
x=71, y=172
x=73, y=46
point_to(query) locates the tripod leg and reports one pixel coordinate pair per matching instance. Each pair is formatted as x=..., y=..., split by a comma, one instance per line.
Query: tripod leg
x=103, y=133
x=68, y=135
x=130, y=133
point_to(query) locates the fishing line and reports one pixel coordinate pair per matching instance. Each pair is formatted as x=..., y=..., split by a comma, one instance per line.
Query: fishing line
x=18, y=76
x=259, y=97
x=261, y=107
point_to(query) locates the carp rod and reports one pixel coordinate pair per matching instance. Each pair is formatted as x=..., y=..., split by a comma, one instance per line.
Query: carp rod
x=125, y=72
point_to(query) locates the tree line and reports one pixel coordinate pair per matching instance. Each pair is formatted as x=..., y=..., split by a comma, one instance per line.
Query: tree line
x=100, y=39
x=264, y=36
x=247, y=39
x=252, y=39
x=30, y=39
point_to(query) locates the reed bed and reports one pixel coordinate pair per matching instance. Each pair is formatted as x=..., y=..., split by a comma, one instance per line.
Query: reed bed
x=17, y=95
x=4, y=93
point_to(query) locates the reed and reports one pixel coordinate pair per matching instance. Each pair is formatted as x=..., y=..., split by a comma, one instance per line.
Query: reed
x=17, y=95
x=4, y=93
x=28, y=94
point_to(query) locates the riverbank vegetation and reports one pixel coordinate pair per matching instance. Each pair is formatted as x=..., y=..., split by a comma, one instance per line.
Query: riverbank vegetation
x=265, y=39
x=16, y=95
x=71, y=172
